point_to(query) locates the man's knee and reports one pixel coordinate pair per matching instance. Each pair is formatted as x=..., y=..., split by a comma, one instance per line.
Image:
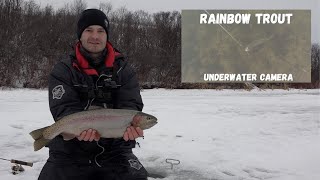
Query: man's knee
x=135, y=169
x=53, y=171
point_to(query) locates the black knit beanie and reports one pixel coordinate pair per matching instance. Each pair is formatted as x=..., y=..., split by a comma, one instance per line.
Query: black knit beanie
x=92, y=17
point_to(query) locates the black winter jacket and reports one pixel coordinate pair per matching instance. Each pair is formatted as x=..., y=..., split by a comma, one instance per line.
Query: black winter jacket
x=72, y=89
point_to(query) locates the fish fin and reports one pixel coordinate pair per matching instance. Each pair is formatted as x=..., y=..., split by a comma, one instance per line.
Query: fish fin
x=36, y=134
x=40, y=143
x=67, y=136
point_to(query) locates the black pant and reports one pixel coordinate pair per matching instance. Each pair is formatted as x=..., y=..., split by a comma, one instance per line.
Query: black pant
x=123, y=166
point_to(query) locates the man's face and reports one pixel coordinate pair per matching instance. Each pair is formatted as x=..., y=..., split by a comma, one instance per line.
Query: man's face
x=94, y=39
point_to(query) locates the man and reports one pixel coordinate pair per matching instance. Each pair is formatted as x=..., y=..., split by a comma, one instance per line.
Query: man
x=95, y=75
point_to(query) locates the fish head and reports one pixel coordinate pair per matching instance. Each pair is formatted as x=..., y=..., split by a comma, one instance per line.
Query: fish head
x=144, y=120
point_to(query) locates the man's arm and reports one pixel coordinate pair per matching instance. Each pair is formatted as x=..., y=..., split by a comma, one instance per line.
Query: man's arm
x=63, y=98
x=129, y=92
x=130, y=98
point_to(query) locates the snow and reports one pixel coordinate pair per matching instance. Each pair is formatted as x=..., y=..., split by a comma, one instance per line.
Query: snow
x=223, y=135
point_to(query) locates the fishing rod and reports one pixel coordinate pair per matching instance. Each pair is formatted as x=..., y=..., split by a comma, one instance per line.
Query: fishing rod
x=17, y=167
x=18, y=162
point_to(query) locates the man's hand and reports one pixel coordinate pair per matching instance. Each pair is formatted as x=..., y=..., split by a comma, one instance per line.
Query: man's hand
x=89, y=135
x=132, y=133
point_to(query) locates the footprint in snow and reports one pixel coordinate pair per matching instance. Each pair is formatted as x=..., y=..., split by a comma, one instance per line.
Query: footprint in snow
x=16, y=126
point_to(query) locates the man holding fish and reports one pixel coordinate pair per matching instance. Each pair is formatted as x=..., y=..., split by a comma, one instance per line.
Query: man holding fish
x=96, y=76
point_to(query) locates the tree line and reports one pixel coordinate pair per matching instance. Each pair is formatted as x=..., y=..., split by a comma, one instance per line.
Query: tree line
x=34, y=38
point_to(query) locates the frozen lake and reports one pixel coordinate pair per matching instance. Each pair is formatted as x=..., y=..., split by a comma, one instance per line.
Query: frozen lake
x=223, y=135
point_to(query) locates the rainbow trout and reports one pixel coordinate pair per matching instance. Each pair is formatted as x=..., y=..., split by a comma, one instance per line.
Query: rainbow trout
x=110, y=123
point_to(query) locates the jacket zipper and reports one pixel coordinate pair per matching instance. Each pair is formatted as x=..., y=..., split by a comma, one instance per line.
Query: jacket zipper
x=104, y=104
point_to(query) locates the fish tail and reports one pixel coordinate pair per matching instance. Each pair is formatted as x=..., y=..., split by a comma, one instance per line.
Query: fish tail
x=40, y=143
x=36, y=134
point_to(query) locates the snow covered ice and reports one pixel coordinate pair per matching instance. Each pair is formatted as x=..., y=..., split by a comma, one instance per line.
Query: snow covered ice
x=220, y=135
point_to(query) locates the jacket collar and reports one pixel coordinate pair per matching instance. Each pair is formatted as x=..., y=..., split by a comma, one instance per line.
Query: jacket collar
x=83, y=64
